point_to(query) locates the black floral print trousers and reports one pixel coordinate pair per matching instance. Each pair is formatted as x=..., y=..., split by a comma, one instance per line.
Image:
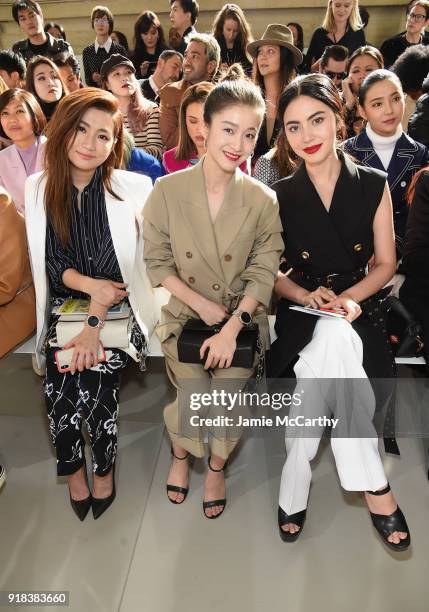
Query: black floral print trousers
x=92, y=396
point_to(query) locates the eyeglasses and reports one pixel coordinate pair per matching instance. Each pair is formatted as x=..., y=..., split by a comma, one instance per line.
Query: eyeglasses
x=101, y=20
x=336, y=75
x=417, y=17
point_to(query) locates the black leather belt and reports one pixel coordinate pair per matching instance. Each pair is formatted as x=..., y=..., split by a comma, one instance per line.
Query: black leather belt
x=331, y=279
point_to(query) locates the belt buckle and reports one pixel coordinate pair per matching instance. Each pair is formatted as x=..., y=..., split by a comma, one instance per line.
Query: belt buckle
x=329, y=280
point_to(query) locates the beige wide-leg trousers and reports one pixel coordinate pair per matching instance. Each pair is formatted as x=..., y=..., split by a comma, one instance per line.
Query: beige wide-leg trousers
x=194, y=439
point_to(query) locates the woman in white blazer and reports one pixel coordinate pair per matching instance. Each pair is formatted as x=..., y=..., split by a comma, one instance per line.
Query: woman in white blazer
x=84, y=231
x=22, y=122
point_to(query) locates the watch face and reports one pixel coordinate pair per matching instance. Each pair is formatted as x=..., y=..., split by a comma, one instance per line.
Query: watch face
x=93, y=321
x=245, y=317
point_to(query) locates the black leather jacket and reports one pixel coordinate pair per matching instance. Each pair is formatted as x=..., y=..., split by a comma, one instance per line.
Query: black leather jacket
x=56, y=45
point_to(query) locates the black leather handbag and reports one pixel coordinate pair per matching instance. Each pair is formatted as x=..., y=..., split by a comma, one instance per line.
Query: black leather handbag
x=405, y=333
x=195, y=332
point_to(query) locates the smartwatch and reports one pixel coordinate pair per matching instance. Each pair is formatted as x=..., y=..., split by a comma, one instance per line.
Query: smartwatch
x=93, y=321
x=245, y=317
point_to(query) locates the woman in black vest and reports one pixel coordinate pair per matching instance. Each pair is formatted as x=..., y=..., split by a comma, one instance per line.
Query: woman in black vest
x=335, y=215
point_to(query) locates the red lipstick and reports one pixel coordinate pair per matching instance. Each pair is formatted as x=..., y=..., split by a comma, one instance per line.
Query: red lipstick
x=231, y=156
x=313, y=149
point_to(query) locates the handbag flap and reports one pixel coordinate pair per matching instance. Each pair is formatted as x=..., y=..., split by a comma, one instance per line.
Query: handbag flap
x=198, y=326
x=114, y=334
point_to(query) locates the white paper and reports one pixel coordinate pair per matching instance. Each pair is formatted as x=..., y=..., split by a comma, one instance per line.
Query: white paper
x=318, y=313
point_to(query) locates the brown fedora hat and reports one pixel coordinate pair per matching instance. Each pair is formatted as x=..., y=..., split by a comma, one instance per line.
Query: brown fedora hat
x=276, y=34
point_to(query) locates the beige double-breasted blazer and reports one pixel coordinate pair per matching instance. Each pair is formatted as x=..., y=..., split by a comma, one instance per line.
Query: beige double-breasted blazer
x=236, y=255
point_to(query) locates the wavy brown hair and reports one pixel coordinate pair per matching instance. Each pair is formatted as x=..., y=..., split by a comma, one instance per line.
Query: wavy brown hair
x=61, y=134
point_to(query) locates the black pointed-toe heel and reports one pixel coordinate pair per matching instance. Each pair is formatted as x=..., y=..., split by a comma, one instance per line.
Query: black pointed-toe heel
x=175, y=489
x=285, y=519
x=100, y=504
x=214, y=502
x=81, y=507
x=386, y=524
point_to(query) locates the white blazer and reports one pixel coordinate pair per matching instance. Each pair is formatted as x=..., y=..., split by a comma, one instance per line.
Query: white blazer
x=133, y=189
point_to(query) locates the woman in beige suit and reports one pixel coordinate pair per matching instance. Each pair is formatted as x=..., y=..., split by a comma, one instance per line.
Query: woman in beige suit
x=213, y=239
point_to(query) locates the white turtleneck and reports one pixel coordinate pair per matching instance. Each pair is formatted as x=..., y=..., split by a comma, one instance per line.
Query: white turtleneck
x=384, y=145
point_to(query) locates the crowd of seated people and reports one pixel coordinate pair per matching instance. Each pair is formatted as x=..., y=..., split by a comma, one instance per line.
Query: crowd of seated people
x=198, y=165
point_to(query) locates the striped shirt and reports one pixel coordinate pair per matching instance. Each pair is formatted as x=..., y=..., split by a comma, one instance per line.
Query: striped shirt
x=149, y=138
x=90, y=248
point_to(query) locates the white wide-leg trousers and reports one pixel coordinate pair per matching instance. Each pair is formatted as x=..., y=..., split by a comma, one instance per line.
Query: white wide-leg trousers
x=335, y=352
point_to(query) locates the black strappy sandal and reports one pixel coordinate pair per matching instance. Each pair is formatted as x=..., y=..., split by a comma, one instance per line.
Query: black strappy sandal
x=175, y=489
x=215, y=502
x=285, y=519
x=386, y=524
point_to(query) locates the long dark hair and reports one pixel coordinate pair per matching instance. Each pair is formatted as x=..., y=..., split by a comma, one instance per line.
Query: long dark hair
x=287, y=70
x=142, y=25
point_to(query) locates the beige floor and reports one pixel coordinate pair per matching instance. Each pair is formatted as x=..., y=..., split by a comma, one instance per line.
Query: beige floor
x=148, y=555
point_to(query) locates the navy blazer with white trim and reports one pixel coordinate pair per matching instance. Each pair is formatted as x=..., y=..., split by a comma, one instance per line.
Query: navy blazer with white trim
x=408, y=157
